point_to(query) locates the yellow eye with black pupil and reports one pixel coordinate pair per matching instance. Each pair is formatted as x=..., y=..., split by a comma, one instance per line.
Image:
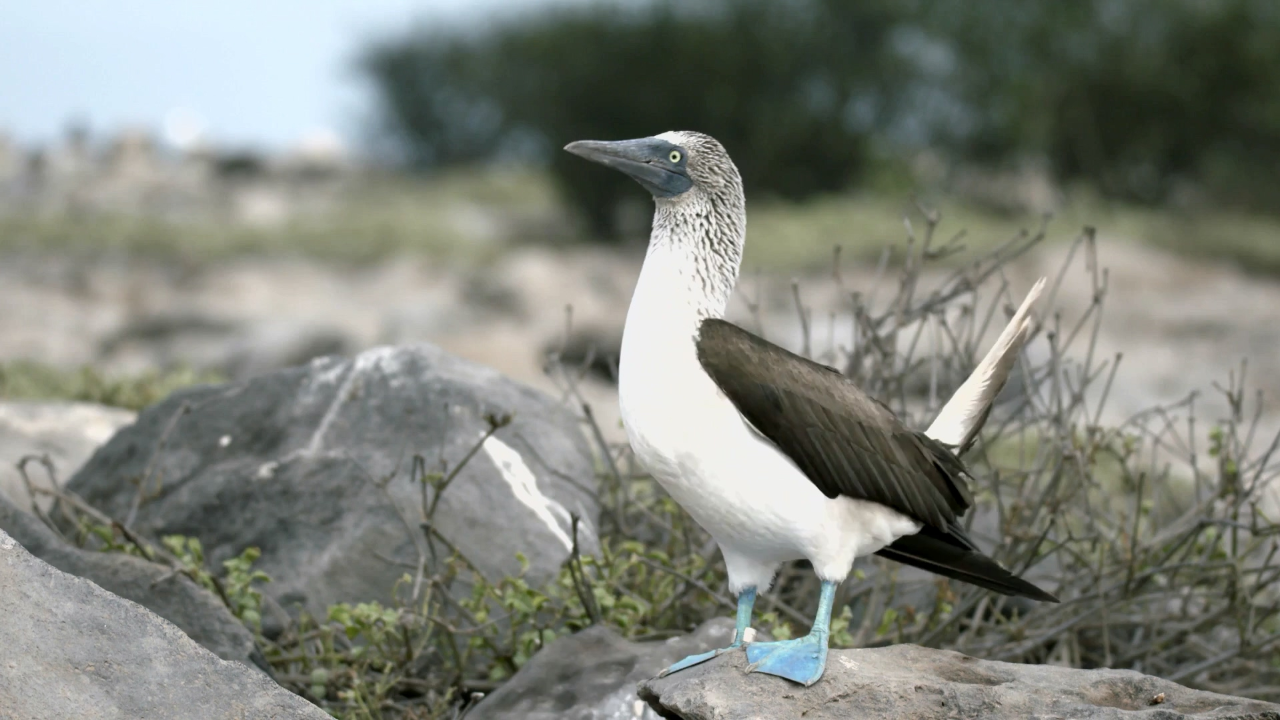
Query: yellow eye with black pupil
x=675, y=156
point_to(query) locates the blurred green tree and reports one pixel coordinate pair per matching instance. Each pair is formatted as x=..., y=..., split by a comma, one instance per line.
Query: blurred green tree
x=1136, y=97
x=784, y=85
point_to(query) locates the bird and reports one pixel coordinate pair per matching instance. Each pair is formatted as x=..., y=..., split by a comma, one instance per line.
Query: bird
x=779, y=458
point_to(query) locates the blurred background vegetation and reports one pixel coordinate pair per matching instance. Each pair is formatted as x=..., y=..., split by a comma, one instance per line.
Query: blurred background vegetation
x=1155, y=120
x=1151, y=102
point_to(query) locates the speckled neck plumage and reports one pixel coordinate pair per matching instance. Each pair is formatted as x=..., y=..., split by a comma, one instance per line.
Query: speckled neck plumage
x=708, y=229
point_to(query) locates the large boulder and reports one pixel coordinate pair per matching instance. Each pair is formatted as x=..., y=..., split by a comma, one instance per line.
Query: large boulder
x=172, y=596
x=593, y=675
x=67, y=432
x=69, y=649
x=314, y=465
x=909, y=681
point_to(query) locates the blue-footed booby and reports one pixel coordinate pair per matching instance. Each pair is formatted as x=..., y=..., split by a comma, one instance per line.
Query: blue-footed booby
x=778, y=457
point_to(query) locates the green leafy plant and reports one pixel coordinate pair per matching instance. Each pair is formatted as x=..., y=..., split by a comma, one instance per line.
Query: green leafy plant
x=33, y=381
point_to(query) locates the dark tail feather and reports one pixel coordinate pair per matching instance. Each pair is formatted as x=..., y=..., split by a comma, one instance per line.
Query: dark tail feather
x=929, y=550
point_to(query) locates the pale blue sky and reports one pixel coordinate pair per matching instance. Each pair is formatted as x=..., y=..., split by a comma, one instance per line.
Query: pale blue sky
x=261, y=72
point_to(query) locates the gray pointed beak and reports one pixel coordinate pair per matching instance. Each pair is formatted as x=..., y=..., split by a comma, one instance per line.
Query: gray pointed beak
x=644, y=160
x=606, y=151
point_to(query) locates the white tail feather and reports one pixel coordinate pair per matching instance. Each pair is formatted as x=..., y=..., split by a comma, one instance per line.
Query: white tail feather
x=960, y=419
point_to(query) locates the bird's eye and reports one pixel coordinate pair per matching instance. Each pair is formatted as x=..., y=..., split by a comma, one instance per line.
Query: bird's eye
x=675, y=156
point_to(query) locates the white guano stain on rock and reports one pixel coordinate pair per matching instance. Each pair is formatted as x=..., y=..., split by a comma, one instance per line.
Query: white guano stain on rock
x=375, y=357
x=384, y=359
x=329, y=375
x=524, y=485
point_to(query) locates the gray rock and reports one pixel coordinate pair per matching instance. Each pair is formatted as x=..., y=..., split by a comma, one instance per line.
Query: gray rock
x=69, y=649
x=174, y=597
x=909, y=681
x=592, y=675
x=290, y=461
x=68, y=432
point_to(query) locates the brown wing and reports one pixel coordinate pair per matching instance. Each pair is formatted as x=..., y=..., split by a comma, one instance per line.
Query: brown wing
x=844, y=441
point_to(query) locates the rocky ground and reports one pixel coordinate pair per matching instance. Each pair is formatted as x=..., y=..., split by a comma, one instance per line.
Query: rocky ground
x=66, y=433
x=599, y=675
x=276, y=459
x=1181, y=324
x=70, y=648
x=909, y=681
x=314, y=466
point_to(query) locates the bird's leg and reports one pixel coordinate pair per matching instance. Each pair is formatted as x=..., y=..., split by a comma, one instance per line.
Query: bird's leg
x=746, y=601
x=802, y=659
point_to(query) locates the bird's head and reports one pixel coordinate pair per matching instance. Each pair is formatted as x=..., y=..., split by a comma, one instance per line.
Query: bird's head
x=674, y=166
x=700, y=209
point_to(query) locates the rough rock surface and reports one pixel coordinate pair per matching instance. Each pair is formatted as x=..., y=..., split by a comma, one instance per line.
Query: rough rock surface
x=68, y=432
x=196, y=611
x=69, y=649
x=909, y=681
x=593, y=675
x=290, y=462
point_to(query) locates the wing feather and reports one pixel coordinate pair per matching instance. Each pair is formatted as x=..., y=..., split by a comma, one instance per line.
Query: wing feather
x=847, y=443
x=844, y=441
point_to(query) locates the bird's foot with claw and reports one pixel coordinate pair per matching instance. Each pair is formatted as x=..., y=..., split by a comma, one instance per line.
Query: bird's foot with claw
x=801, y=660
x=698, y=659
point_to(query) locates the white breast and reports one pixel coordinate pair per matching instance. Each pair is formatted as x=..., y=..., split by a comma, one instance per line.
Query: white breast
x=688, y=435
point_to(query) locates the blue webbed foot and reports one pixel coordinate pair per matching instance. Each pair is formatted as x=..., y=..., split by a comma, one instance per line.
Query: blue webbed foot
x=746, y=599
x=698, y=659
x=801, y=660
